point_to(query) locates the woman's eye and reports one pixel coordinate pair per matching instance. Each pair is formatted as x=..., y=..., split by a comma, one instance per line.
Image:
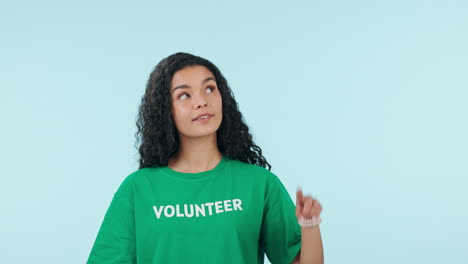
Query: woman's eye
x=180, y=95
x=211, y=87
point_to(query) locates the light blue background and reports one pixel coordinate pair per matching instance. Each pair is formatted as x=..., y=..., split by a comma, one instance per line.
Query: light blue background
x=362, y=103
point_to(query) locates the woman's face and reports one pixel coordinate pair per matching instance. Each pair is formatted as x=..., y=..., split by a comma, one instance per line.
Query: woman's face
x=193, y=92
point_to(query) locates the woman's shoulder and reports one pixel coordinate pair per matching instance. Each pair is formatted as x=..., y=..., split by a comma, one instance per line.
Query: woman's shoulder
x=137, y=175
x=252, y=169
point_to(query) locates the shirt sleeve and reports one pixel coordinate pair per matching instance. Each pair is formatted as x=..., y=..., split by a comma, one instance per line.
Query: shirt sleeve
x=115, y=241
x=280, y=234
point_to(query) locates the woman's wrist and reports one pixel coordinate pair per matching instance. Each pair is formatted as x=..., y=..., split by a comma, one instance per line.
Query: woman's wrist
x=309, y=223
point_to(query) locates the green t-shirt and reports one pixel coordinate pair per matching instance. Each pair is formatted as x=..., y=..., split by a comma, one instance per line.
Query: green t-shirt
x=233, y=213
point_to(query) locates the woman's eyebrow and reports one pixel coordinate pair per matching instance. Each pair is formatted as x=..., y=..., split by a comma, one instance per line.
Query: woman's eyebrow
x=184, y=86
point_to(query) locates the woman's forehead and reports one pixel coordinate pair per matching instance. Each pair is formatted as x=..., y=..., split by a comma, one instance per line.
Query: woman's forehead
x=191, y=75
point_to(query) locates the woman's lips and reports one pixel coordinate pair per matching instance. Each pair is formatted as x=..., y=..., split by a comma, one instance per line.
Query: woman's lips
x=203, y=120
x=201, y=115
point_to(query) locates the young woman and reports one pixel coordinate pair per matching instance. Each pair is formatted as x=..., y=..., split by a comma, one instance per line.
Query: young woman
x=202, y=193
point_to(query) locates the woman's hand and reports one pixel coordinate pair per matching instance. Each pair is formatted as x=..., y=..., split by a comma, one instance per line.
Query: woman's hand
x=307, y=207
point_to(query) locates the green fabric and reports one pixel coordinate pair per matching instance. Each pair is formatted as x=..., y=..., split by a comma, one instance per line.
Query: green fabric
x=234, y=213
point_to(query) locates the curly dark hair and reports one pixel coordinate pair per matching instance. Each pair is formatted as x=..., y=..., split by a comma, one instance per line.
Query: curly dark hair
x=156, y=128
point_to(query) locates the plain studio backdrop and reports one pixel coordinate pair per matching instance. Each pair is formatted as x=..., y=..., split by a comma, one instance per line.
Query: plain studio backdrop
x=362, y=103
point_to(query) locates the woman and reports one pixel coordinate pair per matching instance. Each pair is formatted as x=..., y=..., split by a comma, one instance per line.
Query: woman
x=202, y=193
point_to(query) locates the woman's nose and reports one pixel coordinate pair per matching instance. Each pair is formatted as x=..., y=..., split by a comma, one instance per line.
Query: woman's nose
x=200, y=100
